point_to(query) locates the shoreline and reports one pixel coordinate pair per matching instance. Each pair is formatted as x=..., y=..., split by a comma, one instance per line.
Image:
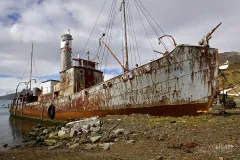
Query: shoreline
x=144, y=137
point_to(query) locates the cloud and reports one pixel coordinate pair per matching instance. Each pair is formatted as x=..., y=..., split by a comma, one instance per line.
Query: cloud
x=42, y=22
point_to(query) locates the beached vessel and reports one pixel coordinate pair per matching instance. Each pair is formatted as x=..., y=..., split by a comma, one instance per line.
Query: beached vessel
x=182, y=82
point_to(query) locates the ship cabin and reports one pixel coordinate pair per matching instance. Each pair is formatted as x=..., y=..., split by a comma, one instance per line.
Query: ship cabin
x=83, y=74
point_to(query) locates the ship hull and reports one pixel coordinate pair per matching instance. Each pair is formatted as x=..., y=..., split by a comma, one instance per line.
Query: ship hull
x=182, y=83
x=173, y=110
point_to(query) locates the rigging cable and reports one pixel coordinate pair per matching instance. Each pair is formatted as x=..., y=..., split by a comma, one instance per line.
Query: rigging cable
x=107, y=29
x=132, y=33
x=133, y=28
x=93, y=27
x=109, y=26
x=25, y=69
x=154, y=29
x=37, y=75
x=144, y=27
x=110, y=37
x=155, y=21
x=129, y=33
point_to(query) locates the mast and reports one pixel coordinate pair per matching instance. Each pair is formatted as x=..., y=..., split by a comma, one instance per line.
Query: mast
x=31, y=68
x=125, y=48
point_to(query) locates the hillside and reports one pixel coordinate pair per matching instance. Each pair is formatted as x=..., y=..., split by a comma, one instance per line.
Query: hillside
x=8, y=97
x=232, y=74
x=232, y=57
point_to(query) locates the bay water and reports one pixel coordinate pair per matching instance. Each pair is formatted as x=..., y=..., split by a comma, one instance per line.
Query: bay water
x=12, y=130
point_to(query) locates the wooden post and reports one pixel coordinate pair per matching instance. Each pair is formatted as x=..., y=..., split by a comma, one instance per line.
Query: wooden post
x=42, y=113
x=22, y=107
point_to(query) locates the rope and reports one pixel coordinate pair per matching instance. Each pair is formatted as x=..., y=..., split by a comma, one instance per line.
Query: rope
x=133, y=36
x=153, y=27
x=93, y=27
x=154, y=21
x=133, y=28
x=129, y=33
x=112, y=15
x=25, y=69
x=144, y=27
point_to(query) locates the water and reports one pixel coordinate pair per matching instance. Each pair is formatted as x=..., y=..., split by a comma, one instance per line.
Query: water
x=12, y=130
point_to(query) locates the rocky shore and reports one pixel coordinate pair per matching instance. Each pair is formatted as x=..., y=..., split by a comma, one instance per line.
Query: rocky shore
x=135, y=137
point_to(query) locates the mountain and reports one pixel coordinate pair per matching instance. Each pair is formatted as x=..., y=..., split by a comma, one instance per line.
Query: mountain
x=8, y=96
x=232, y=57
x=232, y=73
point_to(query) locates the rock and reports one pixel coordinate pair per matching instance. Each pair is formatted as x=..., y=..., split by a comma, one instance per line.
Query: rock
x=105, y=146
x=73, y=146
x=31, y=145
x=69, y=144
x=17, y=146
x=5, y=145
x=86, y=128
x=45, y=131
x=53, y=136
x=131, y=141
x=39, y=139
x=83, y=140
x=173, y=122
x=158, y=158
x=95, y=139
x=38, y=126
x=54, y=147
x=50, y=142
x=33, y=134
x=119, y=131
x=98, y=123
x=63, y=134
x=36, y=129
x=90, y=146
x=95, y=129
x=72, y=133
x=25, y=140
x=76, y=140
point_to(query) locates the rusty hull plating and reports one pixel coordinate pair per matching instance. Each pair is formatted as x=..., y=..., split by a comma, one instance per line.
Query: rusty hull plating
x=180, y=83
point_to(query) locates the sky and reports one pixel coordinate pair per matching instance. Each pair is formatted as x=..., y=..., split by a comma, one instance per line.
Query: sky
x=42, y=22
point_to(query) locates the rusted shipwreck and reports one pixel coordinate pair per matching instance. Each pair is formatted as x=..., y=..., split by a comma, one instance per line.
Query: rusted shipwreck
x=182, y=82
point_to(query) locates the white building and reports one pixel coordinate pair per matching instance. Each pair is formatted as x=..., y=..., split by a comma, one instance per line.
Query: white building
x=48, y=86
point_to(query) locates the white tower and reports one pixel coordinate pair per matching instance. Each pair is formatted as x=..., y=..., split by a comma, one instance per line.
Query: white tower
x=66, y=51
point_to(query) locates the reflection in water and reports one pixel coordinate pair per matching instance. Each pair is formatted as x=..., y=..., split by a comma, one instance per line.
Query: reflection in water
x=20, y=127
x=14, y=130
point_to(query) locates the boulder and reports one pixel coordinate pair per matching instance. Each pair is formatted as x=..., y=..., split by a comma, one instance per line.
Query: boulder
x=105, y=146
x=119, y=131
x=131, y=141
x=54, y=147
x=63, y=134
x=50, y=141
x=53, y=135
x=95, y=139
x=86, y=128
x=33, y=134
x=72, y=133
x=90, y=146
x=45, y=131
x=73, y=146
x=95, y=129
x=76, y=140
